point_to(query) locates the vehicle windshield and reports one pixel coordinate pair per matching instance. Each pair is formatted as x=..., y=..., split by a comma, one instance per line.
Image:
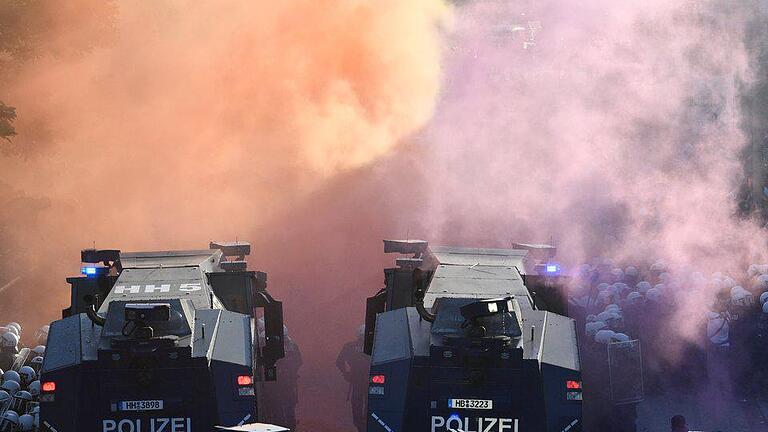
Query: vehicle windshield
x=177, y=325
x=448, y=320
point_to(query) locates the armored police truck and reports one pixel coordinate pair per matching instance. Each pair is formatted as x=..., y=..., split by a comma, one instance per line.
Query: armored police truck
x=161, y=342
x=467, y=340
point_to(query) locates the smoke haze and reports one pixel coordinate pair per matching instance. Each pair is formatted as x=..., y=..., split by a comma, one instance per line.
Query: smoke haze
x=316, y=128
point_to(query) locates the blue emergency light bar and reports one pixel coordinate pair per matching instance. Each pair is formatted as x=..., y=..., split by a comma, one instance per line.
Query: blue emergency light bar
x=552, y=269
x=93, y=271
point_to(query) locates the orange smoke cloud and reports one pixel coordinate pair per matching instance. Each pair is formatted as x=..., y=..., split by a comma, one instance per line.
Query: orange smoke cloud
x=160, y=125
x=196, y=120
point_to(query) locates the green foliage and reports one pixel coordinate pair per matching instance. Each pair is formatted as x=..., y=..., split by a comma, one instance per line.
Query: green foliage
x=7, y=116
x=34, y=28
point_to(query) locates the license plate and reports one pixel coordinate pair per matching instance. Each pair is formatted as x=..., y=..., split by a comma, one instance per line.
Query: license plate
x=482, y=404
x=140, y=405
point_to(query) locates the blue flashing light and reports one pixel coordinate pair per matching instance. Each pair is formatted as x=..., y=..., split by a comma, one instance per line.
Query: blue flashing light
x=552, y=269
x=89, y=271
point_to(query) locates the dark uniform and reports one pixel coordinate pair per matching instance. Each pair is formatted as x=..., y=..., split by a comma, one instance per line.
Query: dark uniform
x=760, y=353
x=355, y=365
x=288, y=391
x=7, y=357
x=281, y=409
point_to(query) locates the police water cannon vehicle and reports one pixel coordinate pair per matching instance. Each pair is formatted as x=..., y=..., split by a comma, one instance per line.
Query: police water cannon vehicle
x=469, y=340
x=162, y=342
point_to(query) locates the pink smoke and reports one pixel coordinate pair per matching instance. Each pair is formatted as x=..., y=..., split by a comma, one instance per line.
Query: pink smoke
x=611, y=128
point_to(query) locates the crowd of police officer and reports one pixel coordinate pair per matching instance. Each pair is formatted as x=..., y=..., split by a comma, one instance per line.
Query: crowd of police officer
x=646, y=306
x=20, y=387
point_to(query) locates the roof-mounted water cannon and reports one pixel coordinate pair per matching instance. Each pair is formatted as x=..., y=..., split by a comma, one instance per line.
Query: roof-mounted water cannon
x=139, y=316
x=416, y=247
x=485, y=308
x=94, y=256
x=536, y=251
x=107, y=257
x=237, y=250
x=474, y=311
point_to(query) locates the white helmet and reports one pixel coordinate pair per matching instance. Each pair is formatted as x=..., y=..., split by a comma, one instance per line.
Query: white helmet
x=742, y=298
x=728, y=282
x=41, y=335
x=643, y=287
x=602, y=287
x=619, y=288
x=634, y=297
x=716, y=285
x=764, y=297
x=736, y=289
x=604, y=336
x=20, y=401
x=658, y=266
x=613, y=308
x=618, y=274
x=16, y=326
x=34, y=388
x=631, y=271
x=698, y=278
x=11, y=387
x=620, y=337
x=37, y=363
x=604, y=298
x=9, y=421
x=717, y=328
x=35, y=412
x=26, y=423
x=27, y=375
x=13, y=330
x=9, y=340
x=759, y=269
x=11, y=375
x=761, y=282
x=591, y=318
x=584, y=269
x=765, y=308
x=593, y=327
x=609, y=317
x=654, y=295
x=39, y=350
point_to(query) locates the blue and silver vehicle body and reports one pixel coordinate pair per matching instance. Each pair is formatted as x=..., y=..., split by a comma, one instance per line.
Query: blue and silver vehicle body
x=161, y=341
x=460, y=341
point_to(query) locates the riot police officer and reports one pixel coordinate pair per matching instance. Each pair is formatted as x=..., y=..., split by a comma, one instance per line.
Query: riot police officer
x=355, y=365
x=288, y=391
x=282, y=408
